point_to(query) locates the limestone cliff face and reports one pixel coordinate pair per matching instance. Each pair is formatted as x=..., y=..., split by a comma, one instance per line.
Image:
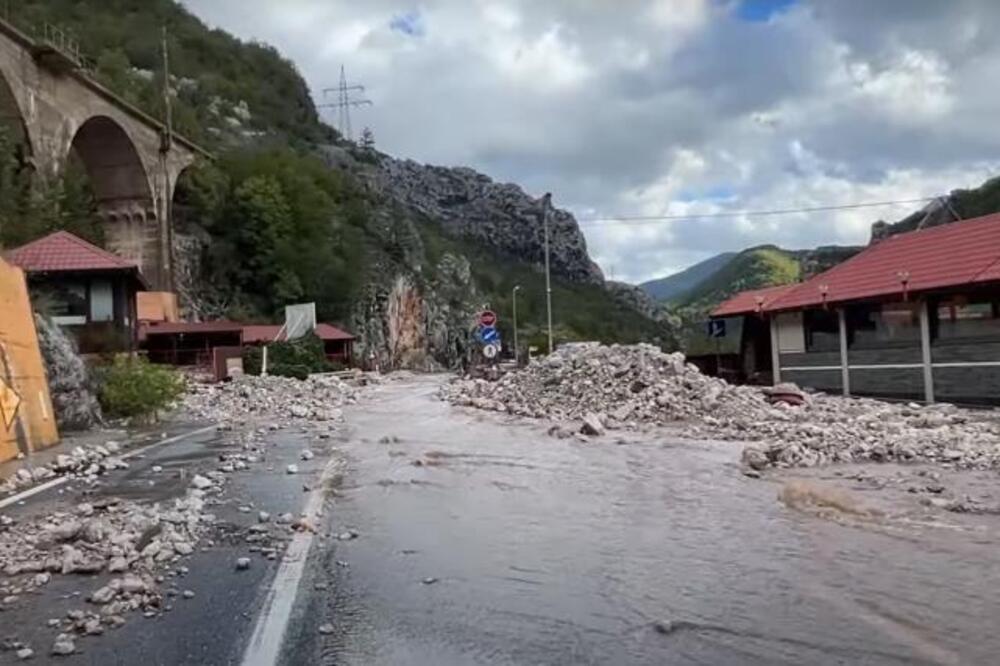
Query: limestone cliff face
x=500, y=216
x=404, y=322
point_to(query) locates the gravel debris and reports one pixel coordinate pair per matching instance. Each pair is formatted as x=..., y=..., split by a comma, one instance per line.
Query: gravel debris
x=599, y=388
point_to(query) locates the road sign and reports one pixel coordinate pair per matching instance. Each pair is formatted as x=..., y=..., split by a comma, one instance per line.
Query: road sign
x=487, y=318
x=489, y=334
x=716, y=328
x=490, y=351
x=9, y=402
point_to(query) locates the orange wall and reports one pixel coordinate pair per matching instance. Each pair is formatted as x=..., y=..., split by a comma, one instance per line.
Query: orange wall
x=27, y=422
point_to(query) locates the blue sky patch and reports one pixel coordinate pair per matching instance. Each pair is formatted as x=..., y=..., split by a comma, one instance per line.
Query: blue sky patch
x=410, y=23
x=762, y=10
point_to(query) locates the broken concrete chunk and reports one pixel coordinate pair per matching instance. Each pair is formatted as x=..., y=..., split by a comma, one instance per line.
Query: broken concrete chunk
x=592, y=425
x=64, y=645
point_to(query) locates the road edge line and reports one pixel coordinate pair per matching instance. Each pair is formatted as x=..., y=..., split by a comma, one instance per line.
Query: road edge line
x=268, y=637
x=54, y=483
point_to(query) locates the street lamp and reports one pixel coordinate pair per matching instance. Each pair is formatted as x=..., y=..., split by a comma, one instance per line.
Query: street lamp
x=513, y=294
x=546, y=205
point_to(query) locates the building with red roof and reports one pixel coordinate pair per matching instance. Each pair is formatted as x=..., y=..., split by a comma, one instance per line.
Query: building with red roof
x=208, y=343
x=913, y=316
x=89, y=291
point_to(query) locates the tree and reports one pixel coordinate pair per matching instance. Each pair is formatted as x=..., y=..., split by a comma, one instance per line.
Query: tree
x=368, y=140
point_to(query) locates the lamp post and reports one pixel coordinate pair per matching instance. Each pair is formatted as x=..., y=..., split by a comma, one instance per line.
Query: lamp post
x=546, y=205
x=513, y=294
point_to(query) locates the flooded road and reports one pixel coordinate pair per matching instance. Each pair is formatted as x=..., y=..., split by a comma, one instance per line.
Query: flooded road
x=484, y=541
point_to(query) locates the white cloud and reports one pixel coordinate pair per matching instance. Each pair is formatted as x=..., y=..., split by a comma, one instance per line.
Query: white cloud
x=669, y=106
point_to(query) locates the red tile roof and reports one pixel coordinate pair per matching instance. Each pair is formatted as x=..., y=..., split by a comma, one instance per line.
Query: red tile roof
x=950, y=255
x=250, y=333
x=746, y=302
x=266, y=333
x=63, y=252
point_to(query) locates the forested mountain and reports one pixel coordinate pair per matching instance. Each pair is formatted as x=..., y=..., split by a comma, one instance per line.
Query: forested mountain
x=404, y=254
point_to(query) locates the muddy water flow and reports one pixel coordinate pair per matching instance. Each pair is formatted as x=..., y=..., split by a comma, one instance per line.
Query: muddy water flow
x=483, y=540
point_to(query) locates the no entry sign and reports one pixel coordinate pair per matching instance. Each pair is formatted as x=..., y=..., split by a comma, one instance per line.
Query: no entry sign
x=487, y=318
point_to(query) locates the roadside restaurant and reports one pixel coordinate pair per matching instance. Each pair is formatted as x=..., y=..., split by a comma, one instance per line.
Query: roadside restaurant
x=913, y=316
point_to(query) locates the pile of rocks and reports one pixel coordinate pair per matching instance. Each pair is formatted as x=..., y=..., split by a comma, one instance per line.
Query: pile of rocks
x=608, y=387
x=277, y=400
x=110, y=536
x=86, y=463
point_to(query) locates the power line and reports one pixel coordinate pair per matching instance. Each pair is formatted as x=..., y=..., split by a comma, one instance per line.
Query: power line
x=645, y=219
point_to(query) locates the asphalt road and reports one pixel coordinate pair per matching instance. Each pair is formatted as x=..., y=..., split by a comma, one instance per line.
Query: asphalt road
x=484, y=541
x=214, y=626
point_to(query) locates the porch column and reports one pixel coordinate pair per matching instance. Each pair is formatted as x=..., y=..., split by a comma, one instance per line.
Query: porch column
x=925, y=351
x=845, y=371
x=775, y=356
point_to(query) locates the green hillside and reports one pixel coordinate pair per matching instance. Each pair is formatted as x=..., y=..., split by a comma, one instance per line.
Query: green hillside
x=751, y=269
x=272, y=219
x=675, y=287
x=213, y=73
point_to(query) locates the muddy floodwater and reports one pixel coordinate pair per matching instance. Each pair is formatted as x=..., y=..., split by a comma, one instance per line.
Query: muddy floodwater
x=484, y=541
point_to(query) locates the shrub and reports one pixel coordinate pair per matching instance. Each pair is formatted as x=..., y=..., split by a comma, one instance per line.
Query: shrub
x=133, y=387
x=296, y=358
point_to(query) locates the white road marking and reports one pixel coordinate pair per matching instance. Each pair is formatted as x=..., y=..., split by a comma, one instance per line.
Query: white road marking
x=269, y=630
x=55, y=483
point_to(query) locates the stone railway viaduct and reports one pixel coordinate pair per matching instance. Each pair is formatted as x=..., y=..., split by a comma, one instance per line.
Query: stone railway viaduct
x=55, y=109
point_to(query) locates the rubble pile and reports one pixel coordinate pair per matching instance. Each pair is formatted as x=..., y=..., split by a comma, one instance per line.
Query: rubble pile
x=131, y=542
x=609, y=387
x=85, y=463
x=280, y=400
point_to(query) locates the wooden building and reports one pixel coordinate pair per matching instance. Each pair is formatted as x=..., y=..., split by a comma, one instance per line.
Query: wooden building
x=88, y=291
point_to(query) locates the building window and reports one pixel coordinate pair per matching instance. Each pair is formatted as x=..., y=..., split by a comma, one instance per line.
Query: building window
x=822, y=330
x=102, y=301
x=968, y=318
x=67, y=302
x=791, y=335
x=883, y=324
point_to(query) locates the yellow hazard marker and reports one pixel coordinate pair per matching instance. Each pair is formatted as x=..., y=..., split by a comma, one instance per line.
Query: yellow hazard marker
x=9, y=402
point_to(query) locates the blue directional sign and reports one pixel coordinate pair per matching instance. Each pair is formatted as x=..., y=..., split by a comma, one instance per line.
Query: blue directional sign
x=489, y=334
x=716, y=328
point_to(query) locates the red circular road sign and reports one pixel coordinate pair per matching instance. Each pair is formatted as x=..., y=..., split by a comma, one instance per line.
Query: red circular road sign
x=487, y=318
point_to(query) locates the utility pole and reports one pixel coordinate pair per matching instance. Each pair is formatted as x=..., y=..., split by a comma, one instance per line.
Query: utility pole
x=165, y=277
x=546, y=205
x=167, y=103
x=514, y=295
x=344, y=103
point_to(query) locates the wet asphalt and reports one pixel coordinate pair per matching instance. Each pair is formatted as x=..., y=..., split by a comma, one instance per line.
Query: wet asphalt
x=211, y=628
x=484, y=541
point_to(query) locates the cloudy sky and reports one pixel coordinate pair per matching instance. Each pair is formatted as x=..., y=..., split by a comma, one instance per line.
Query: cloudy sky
x=668, y=107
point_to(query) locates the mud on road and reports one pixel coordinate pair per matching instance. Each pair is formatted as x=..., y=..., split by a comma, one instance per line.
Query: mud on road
x=481, y=539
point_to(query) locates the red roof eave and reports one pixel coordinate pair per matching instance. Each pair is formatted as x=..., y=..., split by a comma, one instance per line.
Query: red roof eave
x=952, y=255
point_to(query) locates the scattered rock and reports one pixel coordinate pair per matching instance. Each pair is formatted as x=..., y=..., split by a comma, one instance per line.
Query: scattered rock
x=605, y=387
x=292, y=469
x=200, y=482
x=64, y=645
x=307, y=455
x=243, y=564
x=326, y=629
x=592, y=425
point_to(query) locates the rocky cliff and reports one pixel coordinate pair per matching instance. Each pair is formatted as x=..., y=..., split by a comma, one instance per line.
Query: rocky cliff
x=446, y=243
x=500, y=216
